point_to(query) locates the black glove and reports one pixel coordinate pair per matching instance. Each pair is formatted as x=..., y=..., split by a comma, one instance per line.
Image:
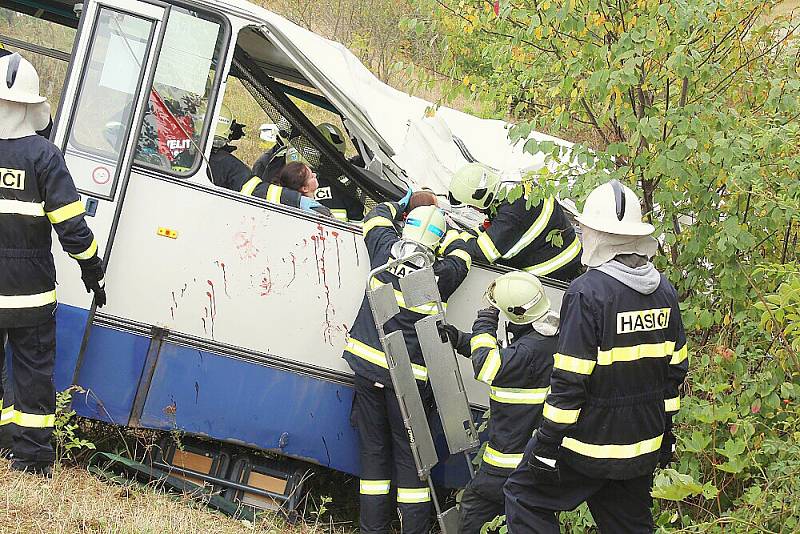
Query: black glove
x=543, y=460
x=92, y=275
x=489, y=313
x=458, y=339
x=667, y=454
x=237, y=131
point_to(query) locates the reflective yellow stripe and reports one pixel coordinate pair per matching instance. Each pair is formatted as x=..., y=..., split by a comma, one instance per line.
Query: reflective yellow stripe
x=425, y=309
x=66, y=212
x=7, y=415
x=487, y=341
x=679, y=355
x=490, y=367
x=557, y=415
x=466, y=236
x=518, y=395
x=27, y=301
x=636, y=352
x=31, y=420
x=88, y=253
x=672, y=405
x=339, y=214
x=413, y=495
x=613, y=451
x=535, y=230
x=392, y=208
x=250, y=186
x=274, y=193
x=573, y=364
x=375, y=221
x=18, y=207
x=463, y=255
x=486, y=245
x=499, y=459
x=377, y=357
x=374, y=487
x=557, y=262
x=449, y=237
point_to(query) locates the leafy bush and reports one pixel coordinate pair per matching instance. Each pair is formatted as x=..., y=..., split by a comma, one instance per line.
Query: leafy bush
x=694, y=103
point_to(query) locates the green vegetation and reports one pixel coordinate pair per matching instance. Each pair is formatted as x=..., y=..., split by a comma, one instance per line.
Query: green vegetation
x=695, y=103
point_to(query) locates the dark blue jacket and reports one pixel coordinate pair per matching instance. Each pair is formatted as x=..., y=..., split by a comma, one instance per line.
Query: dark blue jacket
x=37, y=194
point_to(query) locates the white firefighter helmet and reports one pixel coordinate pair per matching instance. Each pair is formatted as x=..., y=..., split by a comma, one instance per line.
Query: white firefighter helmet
x=425, y=225
x=19, y=81
x=613, y=208
x=519, y=296
x=474, y=184
x=222, y=133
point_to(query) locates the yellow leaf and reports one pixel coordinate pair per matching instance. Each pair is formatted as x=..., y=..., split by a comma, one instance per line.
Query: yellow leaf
x=538, y=32
x=545, y=6
x=465, y=81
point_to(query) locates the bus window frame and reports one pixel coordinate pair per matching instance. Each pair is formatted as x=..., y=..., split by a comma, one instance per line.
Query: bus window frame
x=69, y=141
x=212, y=15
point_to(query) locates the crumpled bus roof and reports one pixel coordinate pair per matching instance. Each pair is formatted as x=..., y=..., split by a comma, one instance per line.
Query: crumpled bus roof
x=419, y=141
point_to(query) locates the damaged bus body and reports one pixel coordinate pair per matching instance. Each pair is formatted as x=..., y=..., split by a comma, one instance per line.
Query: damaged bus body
x=227, y=314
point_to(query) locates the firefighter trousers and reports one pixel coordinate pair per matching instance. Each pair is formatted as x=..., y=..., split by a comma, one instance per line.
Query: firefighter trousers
x=617, y=506
x=33, y=352
x=482, y=501
x=386, y=463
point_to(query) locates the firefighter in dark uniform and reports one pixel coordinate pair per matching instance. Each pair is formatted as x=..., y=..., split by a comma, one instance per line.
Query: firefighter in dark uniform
x=519, y=236
x=225, y=169
x=332, y=191
x=36, y=195
x=519, y=377
x=385, y=453
x=228, y=171
x=621, y=360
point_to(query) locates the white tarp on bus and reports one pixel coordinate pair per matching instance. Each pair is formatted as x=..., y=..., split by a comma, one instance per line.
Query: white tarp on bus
x=423, y=145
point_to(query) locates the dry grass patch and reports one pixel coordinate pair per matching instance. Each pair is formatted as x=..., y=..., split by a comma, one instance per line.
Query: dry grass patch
x=75, y=501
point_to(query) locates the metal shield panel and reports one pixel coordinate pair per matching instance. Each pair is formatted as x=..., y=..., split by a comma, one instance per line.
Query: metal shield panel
x=414, y=416
x=383, y=303
x=448, y=521
x=448, y=387
x=419, y=287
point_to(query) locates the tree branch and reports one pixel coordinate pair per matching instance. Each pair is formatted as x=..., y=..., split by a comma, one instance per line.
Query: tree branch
x=593, y=120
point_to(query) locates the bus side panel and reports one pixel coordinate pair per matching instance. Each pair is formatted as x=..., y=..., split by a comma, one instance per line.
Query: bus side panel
x=236, y=401
x=70, y=325
x=109, y=374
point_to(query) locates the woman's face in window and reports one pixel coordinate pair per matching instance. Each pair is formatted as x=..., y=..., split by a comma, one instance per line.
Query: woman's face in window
x=311, y=184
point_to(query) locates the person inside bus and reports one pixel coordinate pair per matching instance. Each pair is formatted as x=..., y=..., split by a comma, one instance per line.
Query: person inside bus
x=334, y=192
x=225, y=169
x=299, y=177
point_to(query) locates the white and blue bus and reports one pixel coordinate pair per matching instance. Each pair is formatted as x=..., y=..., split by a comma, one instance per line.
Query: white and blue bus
x=227, y=314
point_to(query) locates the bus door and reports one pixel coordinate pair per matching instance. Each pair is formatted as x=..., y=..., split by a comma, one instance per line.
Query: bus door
x=103, y=102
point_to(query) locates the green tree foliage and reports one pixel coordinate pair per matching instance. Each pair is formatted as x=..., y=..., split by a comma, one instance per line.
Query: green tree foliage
x=694, y=103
